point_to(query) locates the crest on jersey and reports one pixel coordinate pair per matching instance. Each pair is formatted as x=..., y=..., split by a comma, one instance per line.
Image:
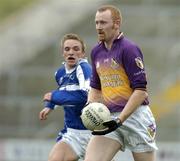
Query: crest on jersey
x=139, y=62
x=151, y=131
x=114, y=64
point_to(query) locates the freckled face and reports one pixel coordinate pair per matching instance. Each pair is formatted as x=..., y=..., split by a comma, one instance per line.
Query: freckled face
x=104, y=26
x=72, y=52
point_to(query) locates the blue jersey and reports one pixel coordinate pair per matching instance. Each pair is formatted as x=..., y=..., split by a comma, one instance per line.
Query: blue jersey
x=72, y=92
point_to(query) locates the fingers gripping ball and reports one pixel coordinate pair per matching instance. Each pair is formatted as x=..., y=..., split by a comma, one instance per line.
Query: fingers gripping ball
x=93, y=116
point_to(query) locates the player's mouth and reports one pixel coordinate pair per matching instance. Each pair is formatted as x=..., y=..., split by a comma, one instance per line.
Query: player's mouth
x=101, y=35
x=71, y=58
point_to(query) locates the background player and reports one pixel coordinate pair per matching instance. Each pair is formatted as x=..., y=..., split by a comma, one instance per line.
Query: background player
x=73, y=79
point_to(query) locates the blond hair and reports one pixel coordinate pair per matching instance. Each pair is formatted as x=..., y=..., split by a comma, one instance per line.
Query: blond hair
x=115, y=12
x=72, y=36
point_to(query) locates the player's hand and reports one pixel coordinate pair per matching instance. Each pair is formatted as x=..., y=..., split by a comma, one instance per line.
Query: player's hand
x=110, y=126
x=44, y=113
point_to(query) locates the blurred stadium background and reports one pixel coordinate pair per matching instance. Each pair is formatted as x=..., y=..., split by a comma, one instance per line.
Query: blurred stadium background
x=30, y=31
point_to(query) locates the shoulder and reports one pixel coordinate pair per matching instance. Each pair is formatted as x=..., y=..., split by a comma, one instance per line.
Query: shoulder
x=60, y=71
x=129, y=49
x=84, y=62
x=97, y=48
x=84, y=65
x=128, y=44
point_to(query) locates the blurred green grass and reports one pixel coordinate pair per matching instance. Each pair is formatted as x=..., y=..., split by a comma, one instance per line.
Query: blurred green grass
x=9, y=7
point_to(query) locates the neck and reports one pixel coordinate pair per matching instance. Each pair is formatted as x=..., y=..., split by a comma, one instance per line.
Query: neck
x=109, y=43
x=68, y=67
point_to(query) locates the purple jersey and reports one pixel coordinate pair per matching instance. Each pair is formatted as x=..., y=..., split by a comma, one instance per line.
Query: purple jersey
x=117, y=72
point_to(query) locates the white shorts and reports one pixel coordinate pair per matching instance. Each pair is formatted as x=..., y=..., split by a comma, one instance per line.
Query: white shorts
x=78, y=140
x=138, y=132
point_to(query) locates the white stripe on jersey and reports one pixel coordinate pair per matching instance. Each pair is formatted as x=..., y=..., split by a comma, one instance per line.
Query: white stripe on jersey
x=72, y=87
x=84, y=84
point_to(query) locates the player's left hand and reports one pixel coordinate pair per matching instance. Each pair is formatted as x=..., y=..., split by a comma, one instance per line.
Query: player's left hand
x=110, y=126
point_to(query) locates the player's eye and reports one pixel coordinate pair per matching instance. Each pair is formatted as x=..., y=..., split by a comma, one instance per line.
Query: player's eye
x=100, y=23
x=66, y=48
x=76, y=48
x=103, y=22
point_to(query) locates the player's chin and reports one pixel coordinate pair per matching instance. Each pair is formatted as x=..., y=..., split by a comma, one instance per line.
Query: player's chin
x=101, y=38
x=71, y=63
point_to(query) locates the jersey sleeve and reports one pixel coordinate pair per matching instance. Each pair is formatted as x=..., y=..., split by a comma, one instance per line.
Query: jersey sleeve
x=83, y=73
x=69, y=98
x=95, y=81
x=134, y=66
x=59, y=73
x=49, y=104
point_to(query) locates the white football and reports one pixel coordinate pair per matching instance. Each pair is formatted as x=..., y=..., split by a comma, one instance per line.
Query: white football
x=94, y=114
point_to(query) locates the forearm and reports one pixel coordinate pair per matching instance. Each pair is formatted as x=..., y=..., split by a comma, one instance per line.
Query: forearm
x=64, y=97
x=133, y=103
x=49, y=104
x=94, y=95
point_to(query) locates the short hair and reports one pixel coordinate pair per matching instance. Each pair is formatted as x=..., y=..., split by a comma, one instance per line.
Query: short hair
x=115, y=12
x=72, y=36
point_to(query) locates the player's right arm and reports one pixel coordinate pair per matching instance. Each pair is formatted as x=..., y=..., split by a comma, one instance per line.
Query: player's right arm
x=48, y=107
x=94, y=95
x=44, y=113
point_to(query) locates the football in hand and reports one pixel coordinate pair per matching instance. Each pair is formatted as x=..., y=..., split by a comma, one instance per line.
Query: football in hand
x=94, y=114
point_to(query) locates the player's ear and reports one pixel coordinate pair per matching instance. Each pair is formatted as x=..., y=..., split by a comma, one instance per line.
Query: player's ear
x=83, y=54
x=117, y=24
